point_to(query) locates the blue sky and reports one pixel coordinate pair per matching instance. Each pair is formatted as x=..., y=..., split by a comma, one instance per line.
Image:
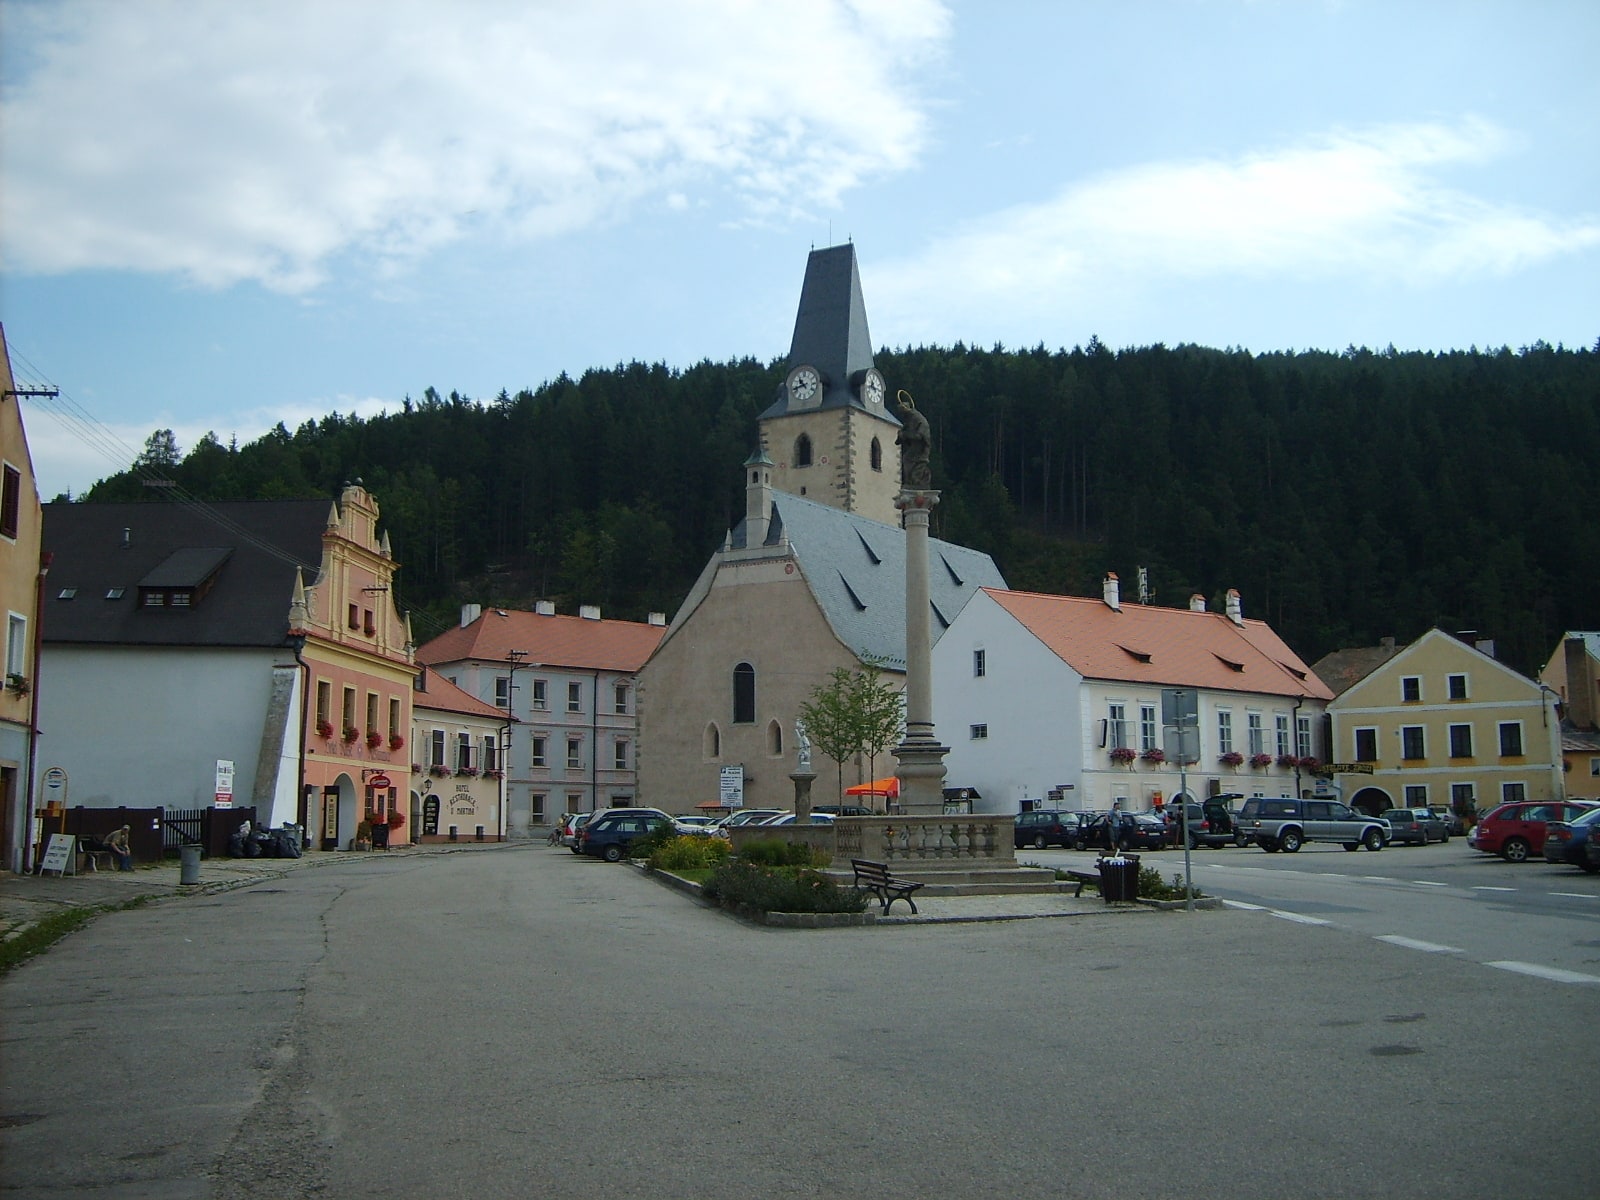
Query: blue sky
x=218, y=216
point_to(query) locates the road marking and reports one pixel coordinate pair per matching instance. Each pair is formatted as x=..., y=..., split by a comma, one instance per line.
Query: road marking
x=1298, y=918
x=1242, y=904
x=1483, y=887
x=1394, y=939
x=1429, y=883
x=1555, y=974
x=1576, y=895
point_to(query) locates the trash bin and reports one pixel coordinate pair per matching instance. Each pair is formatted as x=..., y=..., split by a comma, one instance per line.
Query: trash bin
x=189, y=864
x=1119, y=879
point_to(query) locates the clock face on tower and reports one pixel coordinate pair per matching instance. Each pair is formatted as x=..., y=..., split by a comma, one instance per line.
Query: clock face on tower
x=804, y=384
x=872, y=389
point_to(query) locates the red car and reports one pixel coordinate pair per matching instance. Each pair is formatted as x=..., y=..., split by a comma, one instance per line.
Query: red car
x=1516, y=831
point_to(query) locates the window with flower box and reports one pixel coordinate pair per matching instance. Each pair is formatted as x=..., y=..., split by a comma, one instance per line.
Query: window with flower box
x=1148, y=730
x=1302, y=736
x=1224, y=731
x=1117, y=727
x=436, y=748
x=347, y=711
x=1256, y=733
x=463, y=751
x=324, y=704
x=1280, y=734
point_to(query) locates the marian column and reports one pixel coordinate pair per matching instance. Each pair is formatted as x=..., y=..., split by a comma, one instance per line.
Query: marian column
x=921, y=756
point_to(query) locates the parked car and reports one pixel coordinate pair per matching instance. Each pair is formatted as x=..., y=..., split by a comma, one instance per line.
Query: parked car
x=1211, y=823
x=1591, y=855
x=817, y=818
x=1286, y=824
x=1517, y=830
x=694, y=824
x=611, y=831
x=1134, y=831
x=1415, y=826
x=1046, y=827
x=746, y=816
x=844, y=810
x=569, y=832
x=1453, y=824
x=1569, y=841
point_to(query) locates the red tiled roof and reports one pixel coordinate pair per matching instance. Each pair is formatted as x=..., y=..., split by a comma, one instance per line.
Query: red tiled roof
x=439, y=693
x=1165, y=647
x=547, y=641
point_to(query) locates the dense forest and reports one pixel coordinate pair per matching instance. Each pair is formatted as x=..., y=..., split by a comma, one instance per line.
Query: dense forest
x=1346, y=496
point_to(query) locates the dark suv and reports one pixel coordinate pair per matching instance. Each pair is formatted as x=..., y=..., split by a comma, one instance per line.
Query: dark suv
x=1210, y=823
x=1046, y=827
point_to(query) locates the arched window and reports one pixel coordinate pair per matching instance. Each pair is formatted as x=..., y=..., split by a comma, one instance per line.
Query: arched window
x=775, y=739
x=713, y=741
x=877, y=455
x=802, y=451
x=744, y=694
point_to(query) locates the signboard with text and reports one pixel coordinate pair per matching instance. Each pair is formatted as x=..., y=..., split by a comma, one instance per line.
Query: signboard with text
x=731, y=791
x=224, y=793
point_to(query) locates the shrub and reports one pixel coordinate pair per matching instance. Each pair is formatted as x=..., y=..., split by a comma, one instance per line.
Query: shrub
x=781, y=889
x=646, y=846
x=1151, y=886
x=775, y=852
x=690, y=852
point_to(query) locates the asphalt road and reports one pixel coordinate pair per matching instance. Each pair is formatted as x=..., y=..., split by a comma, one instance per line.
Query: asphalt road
x=1533, y=917
x=524, y=1022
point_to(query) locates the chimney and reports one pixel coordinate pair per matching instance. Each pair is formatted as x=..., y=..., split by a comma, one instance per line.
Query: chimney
x=1582, y=684
x=757, y=498
x=1386, y=644
x=1110, y=592
x=1197, y=603
x=470, y=613
x=589, y=612
x=1235, y=607
x=657, y=618
x=544, y=608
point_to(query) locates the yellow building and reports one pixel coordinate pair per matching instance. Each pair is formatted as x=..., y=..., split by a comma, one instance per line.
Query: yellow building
x=1441, y=722
x=21, y=578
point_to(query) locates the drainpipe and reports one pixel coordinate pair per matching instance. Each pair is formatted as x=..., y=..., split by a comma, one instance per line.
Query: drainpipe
x=30, y=796
x=1294, y=736
x=594, y=739
x=297, y=643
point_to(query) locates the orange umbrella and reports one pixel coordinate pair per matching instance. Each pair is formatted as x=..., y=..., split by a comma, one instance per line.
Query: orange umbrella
x=878, y=787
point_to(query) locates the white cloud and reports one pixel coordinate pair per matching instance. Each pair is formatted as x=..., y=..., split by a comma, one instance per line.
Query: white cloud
x=228, y=142
x=1368, y=207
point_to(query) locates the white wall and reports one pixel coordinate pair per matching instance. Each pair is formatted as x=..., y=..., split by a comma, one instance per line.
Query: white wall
x=141, y=727
x=1027, y=697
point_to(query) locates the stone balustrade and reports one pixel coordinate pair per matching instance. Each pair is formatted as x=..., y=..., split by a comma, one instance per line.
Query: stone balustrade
x=974, y=840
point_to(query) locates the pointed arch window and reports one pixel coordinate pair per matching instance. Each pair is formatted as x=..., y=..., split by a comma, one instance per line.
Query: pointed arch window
x=802, y=450
x=774, y=739
x=744, y=694
x=877, y=455
x=713, y=741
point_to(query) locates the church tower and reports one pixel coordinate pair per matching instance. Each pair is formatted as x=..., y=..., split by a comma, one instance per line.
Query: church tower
x=828, y=433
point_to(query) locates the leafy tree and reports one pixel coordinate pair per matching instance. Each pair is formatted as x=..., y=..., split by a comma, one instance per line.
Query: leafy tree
x=856, y=712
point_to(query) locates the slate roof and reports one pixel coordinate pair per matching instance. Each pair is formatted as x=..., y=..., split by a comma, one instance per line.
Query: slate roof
x=830, y=332
x=437, y=693
x=857, y=571
x=549, y=641
x=253, y=547
x=1163, y=647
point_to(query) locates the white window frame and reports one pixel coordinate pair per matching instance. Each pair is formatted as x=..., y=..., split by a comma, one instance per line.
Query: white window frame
x=1224, y=731
x=538, y=749
x=619, y=699
x=436, y=748
x=1302, y=737
x=1117, y=725
x=541, y=695
x=1421, y=732
x=980, y=664
x=574, y=754
x=502, y=691
x=16, y=643
x=1255, y=732
x=1450, y=733
x=978, y=733
x=1415, y=683
x=1148, y=728
x=619, y=755
x=1500, y=739
x=1355, y=744
x=574, y=697
x=1450, y=687
x=1280, y=728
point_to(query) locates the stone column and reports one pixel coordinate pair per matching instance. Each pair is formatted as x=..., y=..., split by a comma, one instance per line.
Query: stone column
x=802, y=795
x=921, y=756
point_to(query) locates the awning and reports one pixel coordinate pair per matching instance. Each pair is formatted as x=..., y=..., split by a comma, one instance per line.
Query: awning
x=878, y=787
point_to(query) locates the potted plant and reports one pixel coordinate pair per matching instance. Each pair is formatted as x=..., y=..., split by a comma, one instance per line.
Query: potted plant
x=1123, y=754
x=1261, y=760
x=351, y=733
x=19, y=684
x=325, y=729
x=1231, y=759
x=438, y=770
x=397, y=741
x=374, y=739
x=363, y=839
x=494, y=773
x=466, y=770
x=1288, y=761
x=1154, y=755
x=397, y=819
x=1310, y=763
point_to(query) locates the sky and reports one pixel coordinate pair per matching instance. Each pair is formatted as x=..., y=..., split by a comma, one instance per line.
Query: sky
x=217, y=216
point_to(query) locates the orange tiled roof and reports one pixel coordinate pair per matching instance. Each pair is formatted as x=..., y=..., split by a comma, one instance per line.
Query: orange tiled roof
x=1163, y=647
x=547, y=641
x=440, y=694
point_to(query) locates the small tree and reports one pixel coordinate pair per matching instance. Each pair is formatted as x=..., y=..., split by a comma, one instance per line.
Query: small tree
x=854, y=712
x=880, y=712
x=828, y=721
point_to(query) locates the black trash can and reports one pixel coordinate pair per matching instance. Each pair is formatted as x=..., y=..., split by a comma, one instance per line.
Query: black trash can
x=1119, y=879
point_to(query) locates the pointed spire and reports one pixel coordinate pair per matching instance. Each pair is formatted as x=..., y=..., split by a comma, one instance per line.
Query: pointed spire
x=299, y=617
x=333, y=515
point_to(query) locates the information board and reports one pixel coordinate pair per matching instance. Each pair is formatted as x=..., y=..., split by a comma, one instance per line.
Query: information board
x=58, y=855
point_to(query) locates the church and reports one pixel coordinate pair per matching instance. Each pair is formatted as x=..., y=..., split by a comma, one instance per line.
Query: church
x=811, y=580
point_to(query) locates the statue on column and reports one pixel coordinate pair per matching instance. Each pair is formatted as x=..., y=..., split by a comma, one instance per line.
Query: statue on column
x=916, y=443
x=802, y=741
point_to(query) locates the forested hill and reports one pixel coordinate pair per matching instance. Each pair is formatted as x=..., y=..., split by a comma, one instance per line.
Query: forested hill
x=1346, y=496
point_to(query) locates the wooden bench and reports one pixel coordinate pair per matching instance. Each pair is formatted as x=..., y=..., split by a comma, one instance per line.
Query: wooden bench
x=874, y=877
x=94, y=853
x=1080, y=878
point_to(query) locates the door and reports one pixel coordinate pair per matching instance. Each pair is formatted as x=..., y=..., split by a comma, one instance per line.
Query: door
x=330, y=818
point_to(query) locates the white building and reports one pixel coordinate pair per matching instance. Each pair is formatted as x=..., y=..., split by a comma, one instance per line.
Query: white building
x=1057, y=701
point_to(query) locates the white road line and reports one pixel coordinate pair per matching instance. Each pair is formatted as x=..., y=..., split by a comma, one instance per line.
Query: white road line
x=1298, y=918
x=1429, y=883
x=1555, y=974
x=1483, y=887
x=1242, y=904
x=1394, y=939
x=1576, y=895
